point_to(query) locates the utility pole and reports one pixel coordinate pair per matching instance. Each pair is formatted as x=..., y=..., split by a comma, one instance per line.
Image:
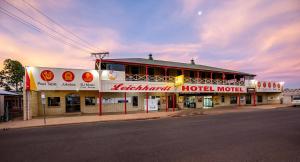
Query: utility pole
x=99, y=56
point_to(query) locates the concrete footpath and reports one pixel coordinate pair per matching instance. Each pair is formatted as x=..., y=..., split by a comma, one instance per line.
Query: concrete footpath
x=61, y=120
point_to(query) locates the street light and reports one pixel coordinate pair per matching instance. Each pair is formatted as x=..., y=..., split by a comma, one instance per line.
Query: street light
x=99, y=56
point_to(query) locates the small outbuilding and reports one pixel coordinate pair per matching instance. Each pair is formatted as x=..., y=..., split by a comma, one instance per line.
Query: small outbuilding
x=11, y=105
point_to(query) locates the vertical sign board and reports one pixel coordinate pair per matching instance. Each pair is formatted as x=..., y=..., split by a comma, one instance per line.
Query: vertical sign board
x=43, y=98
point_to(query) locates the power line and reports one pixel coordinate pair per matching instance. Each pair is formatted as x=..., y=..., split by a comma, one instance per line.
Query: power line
x=74, y=41
x=53, y=21
x=11, y=15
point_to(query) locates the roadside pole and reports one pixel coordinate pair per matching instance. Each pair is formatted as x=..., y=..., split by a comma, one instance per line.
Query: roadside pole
x=100, y=88
x=99, y=56
x=6, y=113
x=43, y=97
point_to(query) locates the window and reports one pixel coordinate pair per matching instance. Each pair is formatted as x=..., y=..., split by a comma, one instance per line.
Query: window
x=192, y=74
x=179, y=72
x=222, y=99
x=295, y=97
x=53, y=101
x=114, y=67
x=259, y=99
x=158, y=97
x=135, y=70
x=233, y=100
x=150, y=71
x=135, y=101
x=90, y=101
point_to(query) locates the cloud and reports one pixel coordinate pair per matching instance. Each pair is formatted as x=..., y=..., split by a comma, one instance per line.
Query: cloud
x=231, y=19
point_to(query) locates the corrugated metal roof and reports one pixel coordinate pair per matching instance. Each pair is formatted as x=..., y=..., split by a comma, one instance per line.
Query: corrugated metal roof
x=2, y=92
x=176, y=64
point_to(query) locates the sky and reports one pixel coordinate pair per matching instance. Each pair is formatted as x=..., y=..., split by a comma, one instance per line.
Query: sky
x=258, y=36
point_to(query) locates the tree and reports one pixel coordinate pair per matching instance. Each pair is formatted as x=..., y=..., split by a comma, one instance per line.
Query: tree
x=12, y=74
x=2, y=79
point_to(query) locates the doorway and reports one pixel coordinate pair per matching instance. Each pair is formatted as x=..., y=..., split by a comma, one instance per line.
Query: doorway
x=248, y=99
x=190, y=101
x=170, y=101
x=207, y=102
x=73, y=103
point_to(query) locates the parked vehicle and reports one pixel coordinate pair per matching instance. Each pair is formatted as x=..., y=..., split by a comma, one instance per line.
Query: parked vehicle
x=296, y=100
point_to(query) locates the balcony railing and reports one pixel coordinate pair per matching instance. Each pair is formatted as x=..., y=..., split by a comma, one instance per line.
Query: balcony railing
x=159, y=78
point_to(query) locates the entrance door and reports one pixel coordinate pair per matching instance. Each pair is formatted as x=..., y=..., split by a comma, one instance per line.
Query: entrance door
x=190, y=102
x=248, y=99
x=207, y=102
x=170, y=101
x=73, y=103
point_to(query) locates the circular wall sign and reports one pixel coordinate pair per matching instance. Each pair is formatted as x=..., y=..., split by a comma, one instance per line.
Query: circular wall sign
x=258, y=84
x=87, y=77
x=68, y=76
x=47, y=75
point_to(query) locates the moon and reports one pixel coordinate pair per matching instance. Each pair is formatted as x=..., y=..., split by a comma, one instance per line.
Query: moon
x=199, y=13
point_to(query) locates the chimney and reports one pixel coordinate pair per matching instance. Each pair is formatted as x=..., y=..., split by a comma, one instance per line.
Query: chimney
x=150, y=57
x=192, y=61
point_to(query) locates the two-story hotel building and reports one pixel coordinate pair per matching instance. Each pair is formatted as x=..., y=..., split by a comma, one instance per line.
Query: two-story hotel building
x=138, y=84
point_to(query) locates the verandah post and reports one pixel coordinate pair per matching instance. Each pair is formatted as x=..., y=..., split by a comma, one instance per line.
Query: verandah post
x=239, y=97
x=167, y=102
x=173, y=109
x=147, y=79
x=125, y=103
x=100, y=103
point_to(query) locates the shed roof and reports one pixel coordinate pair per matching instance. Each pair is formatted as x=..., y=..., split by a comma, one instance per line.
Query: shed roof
x=6, y=93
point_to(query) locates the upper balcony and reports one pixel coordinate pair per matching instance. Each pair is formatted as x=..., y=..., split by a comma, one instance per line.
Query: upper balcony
x=189, y=80
x=150, y=70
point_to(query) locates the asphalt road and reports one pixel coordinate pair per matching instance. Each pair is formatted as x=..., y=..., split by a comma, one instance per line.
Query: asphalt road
x=268, y=135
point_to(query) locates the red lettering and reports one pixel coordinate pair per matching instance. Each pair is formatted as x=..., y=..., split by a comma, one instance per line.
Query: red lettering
x=227, y=89
x=236, y=89
x=211, y=89
x=193, y=88
x=168, y=88
x=200, y=88
x=138, y=88
x=123, y=87
x=220, y=89
x=205, y=88
x=116, y=87
x=185, y=88
x=127, y=88
x=145, y=88
x=164, y=88
x=232, y=89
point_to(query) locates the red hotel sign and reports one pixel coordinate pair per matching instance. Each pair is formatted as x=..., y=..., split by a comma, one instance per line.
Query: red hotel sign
x=206, y=88
x=121, y=87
